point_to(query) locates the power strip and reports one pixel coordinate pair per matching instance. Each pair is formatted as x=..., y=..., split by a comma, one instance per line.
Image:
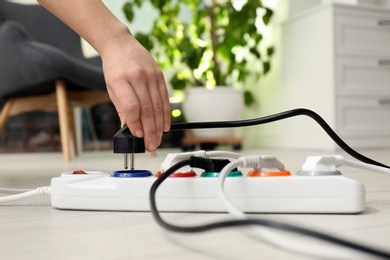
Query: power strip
x=283, y=194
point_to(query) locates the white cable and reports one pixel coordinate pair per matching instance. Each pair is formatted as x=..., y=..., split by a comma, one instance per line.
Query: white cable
x=270, y=236
x=332, y=162
x=12, y=191
x=225, y=154
x=366, y=166
x=26, y=194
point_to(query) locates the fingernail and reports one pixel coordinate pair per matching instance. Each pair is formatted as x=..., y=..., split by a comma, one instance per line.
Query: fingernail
x=152, y=147
x=167, y=127
x=139, y=133
x=160, y=139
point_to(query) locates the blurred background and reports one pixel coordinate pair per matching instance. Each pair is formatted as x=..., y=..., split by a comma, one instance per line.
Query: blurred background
x=284, y=87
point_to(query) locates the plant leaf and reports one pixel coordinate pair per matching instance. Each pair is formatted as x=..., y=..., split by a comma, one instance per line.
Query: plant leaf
x=266, y=67
x=255, y=52
x=178, y=84
x=145, y=41
x=270, y=51
x=249, y=98
x=193, y=57
x=138, y=2
x=267, y=16
x=129, y=11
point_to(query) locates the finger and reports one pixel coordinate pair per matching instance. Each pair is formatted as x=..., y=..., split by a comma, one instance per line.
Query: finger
x=128, y=107
x=147, y=115
x=115, y=101
x=158, y=105
x=165, y=101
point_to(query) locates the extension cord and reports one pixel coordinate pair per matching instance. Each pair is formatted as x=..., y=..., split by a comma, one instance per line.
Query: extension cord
x=283, y=194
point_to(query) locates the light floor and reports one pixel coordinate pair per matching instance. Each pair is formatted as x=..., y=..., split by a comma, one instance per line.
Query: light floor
x=32, y=229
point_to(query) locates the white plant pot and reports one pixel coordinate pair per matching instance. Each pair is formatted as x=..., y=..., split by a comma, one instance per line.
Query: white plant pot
x=218, y=104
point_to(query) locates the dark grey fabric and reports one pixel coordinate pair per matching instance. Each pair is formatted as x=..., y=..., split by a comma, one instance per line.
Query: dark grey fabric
x=36, y=49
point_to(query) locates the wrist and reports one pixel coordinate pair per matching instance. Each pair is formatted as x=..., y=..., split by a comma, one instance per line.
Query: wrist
x=119, y=34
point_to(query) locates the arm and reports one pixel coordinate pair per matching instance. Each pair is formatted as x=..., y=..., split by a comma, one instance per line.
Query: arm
x=134, y=82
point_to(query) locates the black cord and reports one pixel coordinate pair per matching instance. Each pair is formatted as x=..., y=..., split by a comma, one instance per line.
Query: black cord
x=194, y=162
x=277, y=117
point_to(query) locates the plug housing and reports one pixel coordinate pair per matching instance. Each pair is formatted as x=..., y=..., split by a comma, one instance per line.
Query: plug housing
x=125, y=142
x=321, y=165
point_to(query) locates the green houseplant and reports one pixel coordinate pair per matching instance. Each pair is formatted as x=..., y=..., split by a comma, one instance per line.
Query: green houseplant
x=207, y=42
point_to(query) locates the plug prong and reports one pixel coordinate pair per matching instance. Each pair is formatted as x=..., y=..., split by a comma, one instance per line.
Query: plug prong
x=126, y=161
x=132, y=161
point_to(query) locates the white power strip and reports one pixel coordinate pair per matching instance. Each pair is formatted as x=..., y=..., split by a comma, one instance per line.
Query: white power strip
x=283, y=194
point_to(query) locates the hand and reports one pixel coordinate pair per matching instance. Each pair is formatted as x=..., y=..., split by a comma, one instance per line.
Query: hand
x=134, y=82
x=137, y=88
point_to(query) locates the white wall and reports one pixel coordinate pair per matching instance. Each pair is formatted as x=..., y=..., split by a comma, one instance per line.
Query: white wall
x=266, y=90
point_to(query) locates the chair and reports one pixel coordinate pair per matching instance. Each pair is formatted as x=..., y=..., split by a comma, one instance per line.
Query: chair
x=42, y=68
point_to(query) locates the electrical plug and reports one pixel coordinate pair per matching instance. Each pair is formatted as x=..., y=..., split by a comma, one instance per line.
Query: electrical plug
x=200, y=159
x=328, y=164
x=173, y=158
x=125, y=142
x=264, y=166
x=322, y=165
x=262, y=163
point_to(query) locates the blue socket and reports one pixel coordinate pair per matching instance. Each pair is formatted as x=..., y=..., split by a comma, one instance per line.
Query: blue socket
x=132, y=174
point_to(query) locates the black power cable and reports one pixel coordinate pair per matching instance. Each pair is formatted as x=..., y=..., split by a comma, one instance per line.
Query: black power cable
x=198, y=162
x=277, y=117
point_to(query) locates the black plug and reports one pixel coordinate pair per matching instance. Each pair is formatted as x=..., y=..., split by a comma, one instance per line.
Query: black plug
x=216, y=165
x=209, y=165
x=125, y=142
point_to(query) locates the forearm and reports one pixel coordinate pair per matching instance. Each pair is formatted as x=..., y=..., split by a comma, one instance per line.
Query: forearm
x=135, y=83
x=91, y=19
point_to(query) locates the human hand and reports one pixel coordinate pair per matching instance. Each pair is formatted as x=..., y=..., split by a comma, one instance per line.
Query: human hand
x=137, y=88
